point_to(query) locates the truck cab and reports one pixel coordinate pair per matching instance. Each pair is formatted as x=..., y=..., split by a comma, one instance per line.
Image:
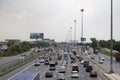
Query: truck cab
x=52, y=66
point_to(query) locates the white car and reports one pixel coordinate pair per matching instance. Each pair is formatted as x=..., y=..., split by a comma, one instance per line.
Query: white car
x=102, y=58
x=101, y=61
x=74, y=74
x=41, y=60
x=82, y=61
x=37, y=63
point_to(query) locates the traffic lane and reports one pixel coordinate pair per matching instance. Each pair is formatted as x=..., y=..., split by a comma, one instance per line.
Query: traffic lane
x=5, y=77
x=83, y=75
x=55, y=72
x=31, y=68
x=116, y=65
x=12, y=58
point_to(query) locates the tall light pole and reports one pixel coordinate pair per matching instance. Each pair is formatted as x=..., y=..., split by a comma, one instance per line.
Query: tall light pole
x=82, y=29
x=111, y=47
x=70, y=34
x=82, y=25
x=75, y=33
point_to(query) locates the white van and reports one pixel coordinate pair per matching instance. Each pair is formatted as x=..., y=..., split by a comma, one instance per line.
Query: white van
x=62, y=69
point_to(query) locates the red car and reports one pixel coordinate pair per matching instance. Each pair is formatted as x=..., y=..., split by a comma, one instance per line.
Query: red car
x=93, y=74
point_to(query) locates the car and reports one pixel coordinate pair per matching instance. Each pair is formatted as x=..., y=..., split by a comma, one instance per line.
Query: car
x=61, y=76
x=82, y=61
x=37, y=63
x=93, y=73
x=86, y=63
x=41, y=60
x=102, y=58
x=92, y=57
x=89, y=68
x=46, y=62
x=73, y=61
x=100, y=61
x=74, y=74
x=49, y=74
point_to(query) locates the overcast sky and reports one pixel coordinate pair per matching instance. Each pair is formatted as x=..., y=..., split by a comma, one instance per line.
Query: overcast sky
x=18, y=18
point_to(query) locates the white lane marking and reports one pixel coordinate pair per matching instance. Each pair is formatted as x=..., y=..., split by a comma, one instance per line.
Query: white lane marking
x=83, y=76
x=54, y=75
x=44, y=71
x=68, y=75
x=20, y=72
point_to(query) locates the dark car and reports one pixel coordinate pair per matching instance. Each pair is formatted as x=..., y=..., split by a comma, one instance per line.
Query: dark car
x=46, y=62
x=49, y=74
x=86, y=63
x=89, y=68
x=73, y=61
x=93, y=74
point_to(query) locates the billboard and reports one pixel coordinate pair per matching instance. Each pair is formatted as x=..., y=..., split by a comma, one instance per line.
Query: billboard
x=83, y=39
x=36, y=35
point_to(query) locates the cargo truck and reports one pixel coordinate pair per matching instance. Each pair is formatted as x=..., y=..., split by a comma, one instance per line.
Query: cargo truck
x=117, y=57
x=75, y=67
x=54, y=58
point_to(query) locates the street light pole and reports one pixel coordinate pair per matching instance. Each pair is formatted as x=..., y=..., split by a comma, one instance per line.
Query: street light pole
x=75, y=33
x=82, y=23
x=82, y=29
x=70, y=34
x=111, y=47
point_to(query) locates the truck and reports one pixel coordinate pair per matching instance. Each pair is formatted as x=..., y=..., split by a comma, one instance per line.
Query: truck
x=52, y=66
x=95, y=51
x=75, y=68
x=117, y=57
x=28, y=75
x=54, y=58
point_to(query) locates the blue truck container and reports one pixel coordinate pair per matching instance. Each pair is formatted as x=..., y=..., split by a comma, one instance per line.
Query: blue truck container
x=28, y=75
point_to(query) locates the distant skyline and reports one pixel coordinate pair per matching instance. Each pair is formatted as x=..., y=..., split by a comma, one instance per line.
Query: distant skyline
x=19, y=18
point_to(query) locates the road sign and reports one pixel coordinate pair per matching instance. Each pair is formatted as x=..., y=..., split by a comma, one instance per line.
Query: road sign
x=83, y=39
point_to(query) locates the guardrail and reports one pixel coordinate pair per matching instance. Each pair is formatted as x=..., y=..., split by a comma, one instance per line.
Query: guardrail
x=9, y=66
x=101, y=69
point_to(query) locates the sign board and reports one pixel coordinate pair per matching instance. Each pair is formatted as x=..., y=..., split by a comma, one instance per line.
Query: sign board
x=83, y=39
x=36, y=35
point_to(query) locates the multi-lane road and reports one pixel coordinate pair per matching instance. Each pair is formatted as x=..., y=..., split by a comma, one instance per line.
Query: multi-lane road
x=116, y=65
x=83, y=75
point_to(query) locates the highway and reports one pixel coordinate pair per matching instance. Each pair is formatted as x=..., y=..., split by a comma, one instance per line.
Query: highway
x=83, y=75
x=116, y=65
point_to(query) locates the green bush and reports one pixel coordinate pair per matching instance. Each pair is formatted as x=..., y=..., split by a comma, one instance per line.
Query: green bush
x=16, y=49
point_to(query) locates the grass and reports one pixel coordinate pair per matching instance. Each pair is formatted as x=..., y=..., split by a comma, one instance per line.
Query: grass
x=104, y=52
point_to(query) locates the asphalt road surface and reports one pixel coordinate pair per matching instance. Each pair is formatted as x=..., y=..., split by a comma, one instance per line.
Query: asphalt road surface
x=83, y=75
x=116, y=65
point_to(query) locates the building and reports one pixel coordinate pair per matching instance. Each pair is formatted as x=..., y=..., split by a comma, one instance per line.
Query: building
x=3, y=47
x=12, y=41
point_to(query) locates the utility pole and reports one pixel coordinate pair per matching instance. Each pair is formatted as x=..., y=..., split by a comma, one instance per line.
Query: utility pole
x=75, y=33
x=111, y=47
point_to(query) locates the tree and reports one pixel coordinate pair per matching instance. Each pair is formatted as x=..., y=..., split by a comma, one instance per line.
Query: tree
x=94, y=43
